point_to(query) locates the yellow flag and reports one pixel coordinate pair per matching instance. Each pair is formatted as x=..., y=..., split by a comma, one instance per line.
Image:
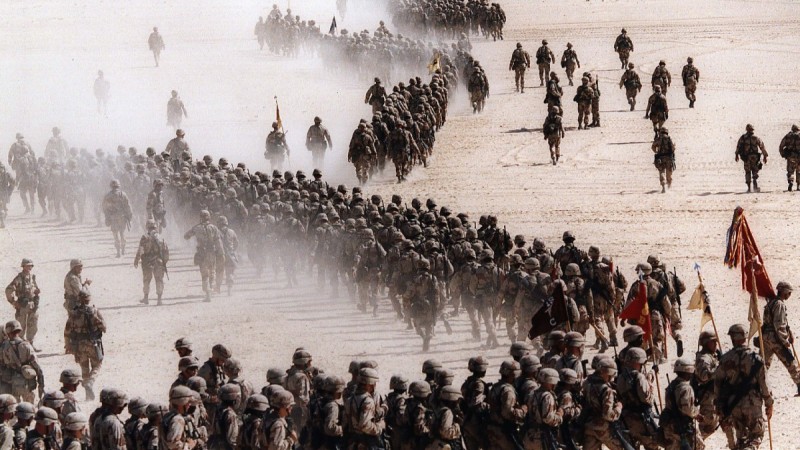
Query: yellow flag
x=434, y=65
x=699, y=301
x=754, y=316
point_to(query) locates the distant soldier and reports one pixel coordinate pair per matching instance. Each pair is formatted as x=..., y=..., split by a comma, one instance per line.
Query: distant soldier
x=20, y=365
x=789, y=149
x=101, y=90
x=661, y=77
x=423, y=296
x=155, y=205
x=623, y=46
x=117, y=210
x=83, y=339
x=741, y=391
x=478, y=87
x=690, y=76
x=209, y=250
x=553, y=130
x=595, y=84
x=276, y=147
x=56, y=148
x=376, y=96
x=544, y=56
x=73, y=283
x=361, y=152
x=260, y=31
x=633, y=85
x=230, y=247
x=23, y=294
x=569, y=61
x=520, y=61
x=664, y=158
x=778, y=337
x=176, y=111
x=681, y=413
x=317, y=141
x=657, y=109
x=154, y=256
x=156, y=44
x=554, y=92
x=176, y=148
x=584, y=96
x=6, y=188
x=749, y=149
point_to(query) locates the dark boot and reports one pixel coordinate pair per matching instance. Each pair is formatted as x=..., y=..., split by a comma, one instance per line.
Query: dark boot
x=755, y=186
x=679, y=346
x=426, y=344
x=663, y=189
x=691, y=103
x=790, y=187
x=748, y=187
x=145, y=300
x=798, y=391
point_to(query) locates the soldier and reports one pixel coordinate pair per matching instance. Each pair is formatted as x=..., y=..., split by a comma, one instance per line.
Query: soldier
x=101, y=89
x=172, y=431
x=584, y=96
x=506, y=413
x=184, y=347
x=188, y=367
x=155, y=207
x=317, y=141
x=657, y=109
x=778, y=338
x=623, y=46
x=572, y=356
x=83, y=339
x=538, y=289
x=396, y=403
x=56, y=148
x=209, y=250
x=362, y=152
x=137, y=408
x=74, y=428
x=8, y=407
x=633, y=85
x=520, y=61
x=298, y=382
x=176, y=148
x=474, y=391
x=553, y=130
x=21, y=365
x=789, y=148
x=277, y=150
x=7, y=184
x=156, y=44
x=507, y=296
x=363, y=415
x=445, y=428
x=602, y=408
x=226, y=426
x=278, y=433
x=706, y=363
x=661, y=77
x=423, y=296
x=690, y=76
x=478, y=88
x=680, y=415
x=213, y=372
x=376, y=96
x=149, y=435
x=555, y=340
x=544, y=415
x=25, y=413
x=740, y=388
x=749, y=149
x=230, y=246
x=554, y=92
x=544, y=56
x=41, y=436
x=73, y=283
x=250, y=434
x=153, y=253
x=23, y=294
x=416, y=426
x=69, y=379
x=569, y=60
x=664, y=158
x=637, y=394
x=484, y=282
x=117, y=210
x=176, y=111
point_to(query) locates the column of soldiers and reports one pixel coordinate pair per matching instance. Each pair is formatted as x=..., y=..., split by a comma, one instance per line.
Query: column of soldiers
x=449, y=18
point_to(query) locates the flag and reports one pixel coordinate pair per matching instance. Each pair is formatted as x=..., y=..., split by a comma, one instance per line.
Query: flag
x=754, y=316
x=741, y=251
x=434, y=65
x=699, y=301
x=552, y=313
x=333, y=26
x=638, y=310
x=278, y=115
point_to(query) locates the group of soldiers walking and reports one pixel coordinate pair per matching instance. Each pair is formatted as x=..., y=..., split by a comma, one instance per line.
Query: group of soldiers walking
x=445, y=19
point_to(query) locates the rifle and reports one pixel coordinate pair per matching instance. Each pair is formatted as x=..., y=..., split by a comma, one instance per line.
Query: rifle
x=95, y=336
x=619, y=433
x=677, y=294
x=161, y=257
x=550, y=438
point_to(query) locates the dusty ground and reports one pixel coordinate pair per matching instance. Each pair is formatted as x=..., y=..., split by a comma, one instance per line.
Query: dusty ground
x=605, y=189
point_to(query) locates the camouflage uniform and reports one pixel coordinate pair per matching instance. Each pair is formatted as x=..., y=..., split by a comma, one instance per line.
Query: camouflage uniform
x=483, y=284
x=474, y=391
x=537, y=290
x=750, y=148
x=633, y=85
x=23, y=295
x=584, y=96
x=706, y=364
x=544, y=418
x=507, y=298
x=659, y=306
x=690, y=76
x=376, y=96
x=520, y=61
x=569, y=61
x=657, y=109
x=153, y=253
x=623, y=46
x=230, y=247
x=117, y=210
x=209, y=251
x=505, y=415
x=362, y=152
x=664, y=158
x=777, y=338
x=318, y=139
x=603, y=408
x=544, y=56
x=82, y=333
x=370, y=261
x=637, y=392
x=422, y=295
x=677, y=419
x=276, y=148
x=789, y=148
x=364, y=420
x=661, y=77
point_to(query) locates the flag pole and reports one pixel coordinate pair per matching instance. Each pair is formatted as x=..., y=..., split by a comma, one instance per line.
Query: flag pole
x=710, y=312
x=658, y=383
x=754, y=304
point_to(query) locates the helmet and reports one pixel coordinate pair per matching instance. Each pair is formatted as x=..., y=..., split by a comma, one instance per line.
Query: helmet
x=477, y=364
x=8, y=404
x=180, y=395
x=635, y=355
x=230, y=392
x=180, y=132
x=549, y=376
x=706, y=337
x=538, y=244
x=624, y=31
x=301, y=357
x=114, y=184
x=519, y=45
x=205, y=215
x=282, y=399
x=12, y=326
x=70, y=376
x=117, y=397
x=75, y=263
x=568, y=235
x=795, y=128
x=75, y=421
x=153, y=410
x=137, y=406
x=663, y=130
x=530, y=364
x=334, y=384
x=684, y=365
x=630, y=65
x=532, y=264
x=737, y=329
x=25, y=410
x=645, y=268
x=188, y=362
x=398, y=382
x=183, y=343
x=197, y=384
x=444, y=377
x=520, y=349
x=377, y=80
x=568, y=376
x=654, y=260
x=510, y=367
x=544, y=41
x=689, y=60
x=232, y=365
x=275, y=376
x=220, y=351
x=430, y=365
x=607, y=366
x=151, y=224
x=368, y=376
x=662, y=63
x=783, y=286
x=555, y=336
x=450, y=394
x=420, y=389
x=631, y=333
x=574, y=339
x=749, y=127
x=572, y=270
x=316, y=173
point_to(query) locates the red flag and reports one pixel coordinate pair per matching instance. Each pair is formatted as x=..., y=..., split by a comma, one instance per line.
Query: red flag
x=741, y=251
x=552, y=313
x=638, y=310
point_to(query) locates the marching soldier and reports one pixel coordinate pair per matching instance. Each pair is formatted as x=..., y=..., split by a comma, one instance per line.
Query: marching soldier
x=544, y=415
x=156, y=210
x=604, y=408
x=474, y=391
x=363, y=415
x=41, y=436
x=664, y=158
x=506, y=412
x=362, y=152
x=554, y=92
x=483, y=283
x=661, y=77
x=230, y=246
x=23, y=294
x=73, y=283
x=680, y=415
x=423, y=296
x=276, y=148
x=317, y=141
x=790, y=150
x=153, y=253
x=637, y=394
x=176, y=148
x=19, y=359
x=659, y=305
x=156, y=44
x=213, y=372
x=376, y=96
x=690, y=76
x=749, y=149
x=706, y=363
x=117, y=210
x=657, y=109
x=209, y=250
x=778, y=337
x=584, y=96
x=623, y=46
x=633, y=85
x=595, y=84
x=176, y=111
x=520, y=61
x=445, y=426
x=544, y=56
x=83, y=335
x=569, y=60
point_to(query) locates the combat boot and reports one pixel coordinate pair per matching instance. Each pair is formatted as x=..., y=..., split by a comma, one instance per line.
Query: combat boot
x=159, y=300
x=798, y=391
x=679, y=346
x=691, y=103
x=145, y=300
x=755, y=186
x=426, y=344
x=748, y=188
x=790, y=188
x=597, y=123
x=663, y=189
x=208, y=297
